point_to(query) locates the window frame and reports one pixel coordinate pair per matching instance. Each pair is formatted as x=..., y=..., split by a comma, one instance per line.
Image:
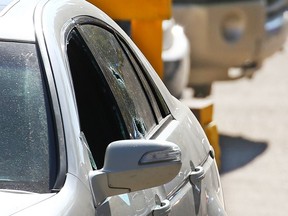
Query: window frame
x=57, y=121
x=158, y=101
x=139, y=123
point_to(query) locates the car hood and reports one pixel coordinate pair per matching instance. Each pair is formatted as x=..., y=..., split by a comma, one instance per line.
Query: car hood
x=15, y=201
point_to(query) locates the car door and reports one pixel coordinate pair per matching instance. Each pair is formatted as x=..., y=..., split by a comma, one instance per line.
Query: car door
x=115, y=102
x=106, y=90
x=143, y=115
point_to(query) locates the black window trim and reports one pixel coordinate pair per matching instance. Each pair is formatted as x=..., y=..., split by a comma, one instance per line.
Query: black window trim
x=56, y=116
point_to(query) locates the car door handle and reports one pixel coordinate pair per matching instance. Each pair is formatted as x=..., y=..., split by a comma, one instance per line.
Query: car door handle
x=197, y=175
x=163, y=209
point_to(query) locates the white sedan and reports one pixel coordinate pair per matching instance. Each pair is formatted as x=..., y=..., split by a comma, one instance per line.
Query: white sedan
x=87, y=126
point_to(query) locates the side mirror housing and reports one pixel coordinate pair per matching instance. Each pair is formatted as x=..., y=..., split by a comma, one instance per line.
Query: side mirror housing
x=132, y=165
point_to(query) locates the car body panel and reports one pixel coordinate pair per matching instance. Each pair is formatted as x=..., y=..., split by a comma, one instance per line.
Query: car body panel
x=23, y=24
x=73, y=199
x=19, y=200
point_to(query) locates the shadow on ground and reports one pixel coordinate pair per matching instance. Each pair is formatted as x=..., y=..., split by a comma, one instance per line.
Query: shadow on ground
x=236, y=152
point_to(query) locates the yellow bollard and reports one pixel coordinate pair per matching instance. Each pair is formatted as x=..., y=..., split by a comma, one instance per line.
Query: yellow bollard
x=203, y=111
x=213, y=137
x=148, y=37
x=135, y=9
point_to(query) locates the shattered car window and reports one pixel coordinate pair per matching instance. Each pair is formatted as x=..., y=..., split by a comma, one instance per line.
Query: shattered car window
x=123, y=80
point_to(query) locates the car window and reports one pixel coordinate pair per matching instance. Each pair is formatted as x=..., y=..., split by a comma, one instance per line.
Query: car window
x=123, y=80
x=26, y=139
x=155, y=98
x=100, y=119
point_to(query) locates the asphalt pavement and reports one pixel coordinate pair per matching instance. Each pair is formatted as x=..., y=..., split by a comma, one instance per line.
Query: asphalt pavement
x=252, y=119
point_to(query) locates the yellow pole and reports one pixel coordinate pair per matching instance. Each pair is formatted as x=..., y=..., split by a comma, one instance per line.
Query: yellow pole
x=148, y=37
x=135, y=9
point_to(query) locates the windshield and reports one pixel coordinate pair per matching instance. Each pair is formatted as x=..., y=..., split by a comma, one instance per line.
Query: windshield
x=24, y=129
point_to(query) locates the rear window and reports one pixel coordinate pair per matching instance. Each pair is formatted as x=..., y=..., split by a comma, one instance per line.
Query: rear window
x=24, y=121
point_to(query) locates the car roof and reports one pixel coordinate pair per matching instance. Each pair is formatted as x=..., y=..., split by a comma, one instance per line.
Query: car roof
x=16, y=20
x=17, y=17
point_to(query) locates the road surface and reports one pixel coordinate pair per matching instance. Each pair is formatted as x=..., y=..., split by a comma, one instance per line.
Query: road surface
x=252, y=119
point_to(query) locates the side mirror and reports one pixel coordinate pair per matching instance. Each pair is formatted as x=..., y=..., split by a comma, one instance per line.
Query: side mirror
x=132, y=165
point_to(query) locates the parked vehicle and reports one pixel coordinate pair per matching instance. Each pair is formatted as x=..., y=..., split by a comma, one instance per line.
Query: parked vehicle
x=176, y=57
x=88, y=127
x=226, y=34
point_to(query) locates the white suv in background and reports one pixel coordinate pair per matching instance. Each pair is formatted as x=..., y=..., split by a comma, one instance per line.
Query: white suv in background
x=176, y=57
